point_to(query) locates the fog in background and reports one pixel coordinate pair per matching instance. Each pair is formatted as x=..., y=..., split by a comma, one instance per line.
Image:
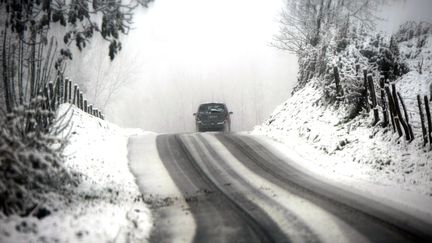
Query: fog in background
x=183, y=53
x=403, y=11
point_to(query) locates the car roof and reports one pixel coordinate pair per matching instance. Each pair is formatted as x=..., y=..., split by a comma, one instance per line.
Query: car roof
x=212, y=103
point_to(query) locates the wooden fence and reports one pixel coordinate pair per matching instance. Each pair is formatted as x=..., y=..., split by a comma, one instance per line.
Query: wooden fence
x=61, y=91
x=393, y=108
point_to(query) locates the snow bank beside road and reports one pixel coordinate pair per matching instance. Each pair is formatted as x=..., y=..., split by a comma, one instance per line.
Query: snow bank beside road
x=105, y=207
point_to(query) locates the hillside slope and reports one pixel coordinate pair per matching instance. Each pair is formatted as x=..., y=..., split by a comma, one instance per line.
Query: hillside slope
x=321, y=134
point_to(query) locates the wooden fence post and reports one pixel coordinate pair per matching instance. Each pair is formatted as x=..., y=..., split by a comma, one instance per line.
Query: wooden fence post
x=47, y=98
x=74, y=94
x=339, y=91
x=81, y=103
x=366, y=95
x=70, y=91
x=406, y=117
x=51, y=95
x=85, y=105
x=383, y=101
x=424, y=132
x=428, y=115
x=65, y=94
x=90, y=109
x=399, y=113
x=393, y=114
x=374, y=99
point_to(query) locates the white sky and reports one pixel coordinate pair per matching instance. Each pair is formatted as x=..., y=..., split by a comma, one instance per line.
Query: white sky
x=193, y=51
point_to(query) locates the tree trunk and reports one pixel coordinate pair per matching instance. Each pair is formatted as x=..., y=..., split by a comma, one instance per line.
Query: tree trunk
x=6, y=83
x=32, y=62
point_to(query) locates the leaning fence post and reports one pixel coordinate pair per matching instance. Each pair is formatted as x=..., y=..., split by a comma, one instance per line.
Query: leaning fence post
x=393, y=113
x=374, y=99
x=428, y=115
x=424, y=132
x=406, y=117
x=399, y=113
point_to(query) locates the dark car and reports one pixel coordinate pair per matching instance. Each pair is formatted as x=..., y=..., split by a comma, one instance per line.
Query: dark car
x=213, y=117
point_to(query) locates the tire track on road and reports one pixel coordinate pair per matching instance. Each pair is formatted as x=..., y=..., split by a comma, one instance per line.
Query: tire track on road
x=218, y=218
x=372, y=223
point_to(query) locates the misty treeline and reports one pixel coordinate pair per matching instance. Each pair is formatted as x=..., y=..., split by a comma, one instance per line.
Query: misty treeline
x=325, y=34
x=36, y=40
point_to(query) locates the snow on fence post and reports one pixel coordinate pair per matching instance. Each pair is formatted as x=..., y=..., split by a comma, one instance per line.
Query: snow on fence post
x=393, y=114
x=374, y=100
x=411, y=133
x=339, y=91
x=428, y=115
x=383, y=101
x=365, y=84
x=399, y=113
x=102, y=116
x=422, y=120
x=90, y=109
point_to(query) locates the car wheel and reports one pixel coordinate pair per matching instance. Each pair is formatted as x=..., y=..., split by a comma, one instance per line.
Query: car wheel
x=226, y=128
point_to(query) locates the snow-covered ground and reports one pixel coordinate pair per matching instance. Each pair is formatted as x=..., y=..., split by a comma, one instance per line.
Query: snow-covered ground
x=107, y=205
x=355, y=149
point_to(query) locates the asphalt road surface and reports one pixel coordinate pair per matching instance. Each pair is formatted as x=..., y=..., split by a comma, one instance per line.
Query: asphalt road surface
x=217, y=187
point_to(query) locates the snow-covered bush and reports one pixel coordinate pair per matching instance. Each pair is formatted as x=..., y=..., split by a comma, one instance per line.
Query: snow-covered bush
x=351, y=50
x=30, y=157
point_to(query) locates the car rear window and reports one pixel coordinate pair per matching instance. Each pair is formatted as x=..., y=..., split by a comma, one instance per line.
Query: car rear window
x=212, y=108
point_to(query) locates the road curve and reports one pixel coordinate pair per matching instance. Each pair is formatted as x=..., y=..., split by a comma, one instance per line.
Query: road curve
x=237, y=189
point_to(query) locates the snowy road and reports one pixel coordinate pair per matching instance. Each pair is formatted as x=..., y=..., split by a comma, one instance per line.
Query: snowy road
x=214, y=187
